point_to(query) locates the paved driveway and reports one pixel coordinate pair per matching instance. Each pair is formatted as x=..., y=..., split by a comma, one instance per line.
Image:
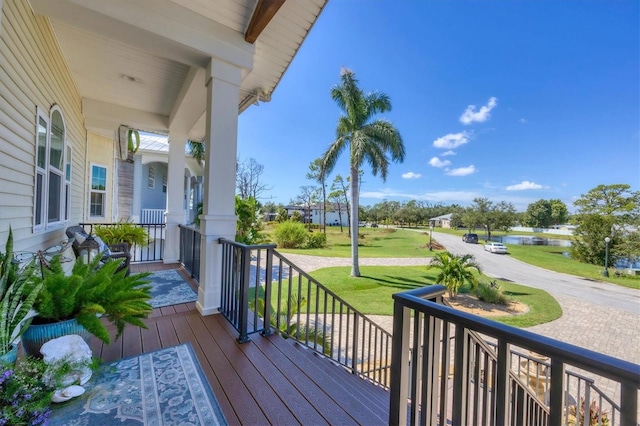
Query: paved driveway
x=507, y=268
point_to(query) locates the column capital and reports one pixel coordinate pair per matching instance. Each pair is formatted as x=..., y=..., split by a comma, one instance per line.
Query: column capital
x=224, y=71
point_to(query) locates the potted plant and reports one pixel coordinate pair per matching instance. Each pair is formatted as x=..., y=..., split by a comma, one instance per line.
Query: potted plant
x=77, y=303
x=18, y=292
x=123, y=232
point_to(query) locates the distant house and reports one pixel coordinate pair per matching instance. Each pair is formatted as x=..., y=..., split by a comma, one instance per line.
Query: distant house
x=336, y=215
x=443, y=221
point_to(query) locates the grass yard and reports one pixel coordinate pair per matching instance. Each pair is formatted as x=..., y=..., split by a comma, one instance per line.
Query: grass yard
x=371, y=293
x=373, y=242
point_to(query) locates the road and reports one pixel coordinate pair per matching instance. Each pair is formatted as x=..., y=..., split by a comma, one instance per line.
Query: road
x=509, y=269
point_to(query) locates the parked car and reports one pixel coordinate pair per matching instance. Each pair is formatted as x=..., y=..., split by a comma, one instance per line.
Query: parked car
x=470, y=238
x=374, y=225
x=494, y=247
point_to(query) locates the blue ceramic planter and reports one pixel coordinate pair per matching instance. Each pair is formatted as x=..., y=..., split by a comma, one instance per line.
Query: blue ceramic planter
x=11, y=356
x=38, y=334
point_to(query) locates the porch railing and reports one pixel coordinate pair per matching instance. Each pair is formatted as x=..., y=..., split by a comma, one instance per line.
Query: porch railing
x=456, y=377
x=190, y=250
x=258, y=283
x=152, y=252
x=152, y=215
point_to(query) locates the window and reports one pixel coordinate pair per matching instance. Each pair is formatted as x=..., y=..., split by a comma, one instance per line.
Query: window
x=151, y=181
x=98, y=191
x=53, y=170
x=164, y=183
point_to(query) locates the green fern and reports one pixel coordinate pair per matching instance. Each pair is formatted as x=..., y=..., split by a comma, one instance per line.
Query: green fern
x=92, y=291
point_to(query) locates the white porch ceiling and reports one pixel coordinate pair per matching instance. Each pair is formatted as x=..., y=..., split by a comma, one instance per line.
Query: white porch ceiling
x=141, y=62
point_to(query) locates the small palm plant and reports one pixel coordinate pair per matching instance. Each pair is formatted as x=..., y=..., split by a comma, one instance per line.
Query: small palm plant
x=283, y=322
x=455, y=270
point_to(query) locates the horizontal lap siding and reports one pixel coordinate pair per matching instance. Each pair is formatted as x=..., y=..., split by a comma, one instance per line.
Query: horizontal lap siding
x=33, y=73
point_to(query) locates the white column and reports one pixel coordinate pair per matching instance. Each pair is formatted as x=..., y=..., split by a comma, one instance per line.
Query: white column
x=218, y=219
x=175, y=213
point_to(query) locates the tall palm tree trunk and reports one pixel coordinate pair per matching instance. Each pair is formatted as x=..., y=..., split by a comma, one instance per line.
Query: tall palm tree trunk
x=355, y=196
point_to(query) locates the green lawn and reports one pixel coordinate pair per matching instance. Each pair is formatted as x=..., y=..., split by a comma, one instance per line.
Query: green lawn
x=373, y=242
x=371, y=293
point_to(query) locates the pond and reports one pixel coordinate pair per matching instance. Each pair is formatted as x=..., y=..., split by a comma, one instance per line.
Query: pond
x=528, y=240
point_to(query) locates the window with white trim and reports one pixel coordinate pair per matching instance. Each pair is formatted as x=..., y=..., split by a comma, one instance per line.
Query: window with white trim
x=53, y=170
x=164, y=183
x=98, y=191
x=151, y=180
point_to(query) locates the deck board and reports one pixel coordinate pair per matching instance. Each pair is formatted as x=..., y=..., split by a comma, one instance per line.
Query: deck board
x=268, y=380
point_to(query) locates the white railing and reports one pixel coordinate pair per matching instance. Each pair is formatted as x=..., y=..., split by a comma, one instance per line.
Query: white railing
x=152, y=216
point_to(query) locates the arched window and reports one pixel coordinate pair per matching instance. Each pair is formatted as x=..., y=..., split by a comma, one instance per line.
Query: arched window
x=53, y=170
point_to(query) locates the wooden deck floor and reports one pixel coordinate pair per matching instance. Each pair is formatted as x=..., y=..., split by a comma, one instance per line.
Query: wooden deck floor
x=268, y=380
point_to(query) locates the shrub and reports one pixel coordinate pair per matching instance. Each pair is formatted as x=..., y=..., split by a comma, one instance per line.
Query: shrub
x=492, y=293
x=290, y=234
x=316, y=240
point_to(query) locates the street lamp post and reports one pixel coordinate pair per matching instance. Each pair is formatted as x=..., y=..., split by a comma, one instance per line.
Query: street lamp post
x=605, y=273
x=430, y=234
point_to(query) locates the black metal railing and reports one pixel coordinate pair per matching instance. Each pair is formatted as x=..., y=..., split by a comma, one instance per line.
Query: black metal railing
x=190, y=250
x=153, y=251
x=456, y=378
x=258, y=283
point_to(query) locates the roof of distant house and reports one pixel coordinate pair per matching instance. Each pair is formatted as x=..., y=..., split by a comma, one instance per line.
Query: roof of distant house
x=444, y=216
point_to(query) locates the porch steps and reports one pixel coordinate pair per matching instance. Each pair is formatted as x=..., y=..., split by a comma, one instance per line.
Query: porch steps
x=348, y=388
x=330, y=389
x=374, y=393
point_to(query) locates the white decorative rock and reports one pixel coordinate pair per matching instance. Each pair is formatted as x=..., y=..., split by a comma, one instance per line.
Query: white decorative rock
x=72, y=349
x=67, y=393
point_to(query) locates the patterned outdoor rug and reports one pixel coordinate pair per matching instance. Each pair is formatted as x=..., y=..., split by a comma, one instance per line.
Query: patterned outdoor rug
x=165, y=387
x=169, y=288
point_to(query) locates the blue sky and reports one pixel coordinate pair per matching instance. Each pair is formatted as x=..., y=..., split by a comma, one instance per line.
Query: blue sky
x=510, y=100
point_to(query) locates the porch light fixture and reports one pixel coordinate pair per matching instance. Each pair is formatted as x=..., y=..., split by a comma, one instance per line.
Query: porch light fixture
x=605, y=273
x=88, y=249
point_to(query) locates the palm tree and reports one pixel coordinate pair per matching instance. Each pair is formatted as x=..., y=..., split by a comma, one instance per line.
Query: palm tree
x=455, y=270
x=369, y=139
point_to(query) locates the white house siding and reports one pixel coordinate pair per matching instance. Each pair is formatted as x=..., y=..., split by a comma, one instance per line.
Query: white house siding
x=33, y=73
x=101, y=152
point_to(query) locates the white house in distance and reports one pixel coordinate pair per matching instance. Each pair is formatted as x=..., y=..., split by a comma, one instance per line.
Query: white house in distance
x=76, y=75
x=336, y=215
x=443, y=221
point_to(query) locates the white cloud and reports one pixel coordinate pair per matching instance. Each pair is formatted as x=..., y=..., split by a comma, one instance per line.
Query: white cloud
x=462, y=171
x=452, y=140
x=523, y=186
x=470, y=115
x=436, y=162
x=523, y=120
x=447, y=153
x=411, y=175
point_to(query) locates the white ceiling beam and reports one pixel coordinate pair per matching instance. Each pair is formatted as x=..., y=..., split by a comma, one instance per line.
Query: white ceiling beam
x=105, y=118
x=162, y=27
x=191, y=102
